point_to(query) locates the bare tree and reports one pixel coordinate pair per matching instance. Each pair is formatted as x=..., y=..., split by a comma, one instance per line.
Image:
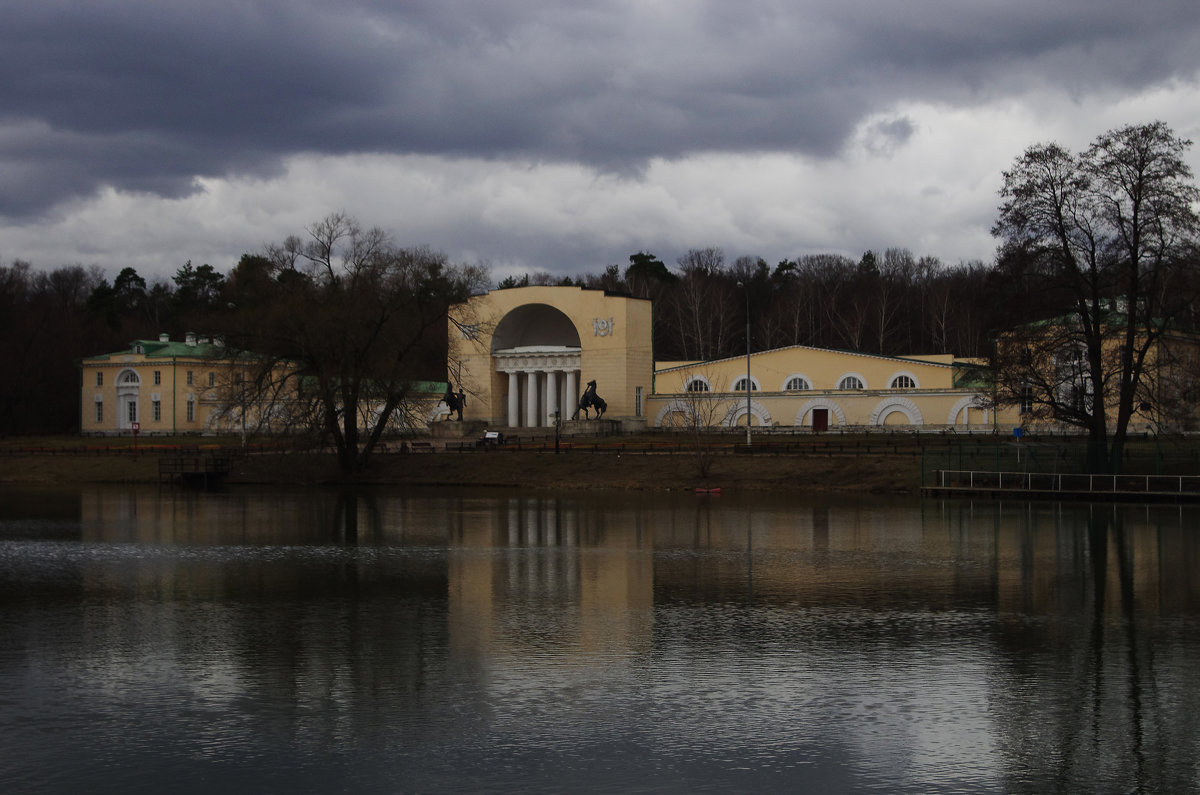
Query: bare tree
x=362, y=320
x=1114, y=230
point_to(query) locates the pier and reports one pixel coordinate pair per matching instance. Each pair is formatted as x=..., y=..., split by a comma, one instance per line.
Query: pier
x=1146, y=488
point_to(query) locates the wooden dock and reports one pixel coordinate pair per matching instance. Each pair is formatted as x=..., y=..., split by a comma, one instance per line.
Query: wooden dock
x=1063, y=486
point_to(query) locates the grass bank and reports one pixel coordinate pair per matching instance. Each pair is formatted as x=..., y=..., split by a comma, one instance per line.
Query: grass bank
x=600, y=465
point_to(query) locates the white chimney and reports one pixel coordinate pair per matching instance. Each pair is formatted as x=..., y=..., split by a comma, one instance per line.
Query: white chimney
x=190, y=339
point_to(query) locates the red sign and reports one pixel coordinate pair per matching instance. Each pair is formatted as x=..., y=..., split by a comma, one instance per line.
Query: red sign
x=137, y=426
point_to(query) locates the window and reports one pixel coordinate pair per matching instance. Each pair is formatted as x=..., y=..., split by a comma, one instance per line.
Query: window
x=740, y=386
x=157, y=377
x=99, y=378
x=191, y=409
x=797, y=384
x=99, y=411
x=157, y=407
x=904, y=382
x=189, y=377
x=637, y=401
x=697, y=384
x=132, y=411
x=851, y=382
x=130, y=377
x=1025, y=403
x=212, y=379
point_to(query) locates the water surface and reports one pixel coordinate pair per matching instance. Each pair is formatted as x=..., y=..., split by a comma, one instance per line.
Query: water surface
x=399, y=641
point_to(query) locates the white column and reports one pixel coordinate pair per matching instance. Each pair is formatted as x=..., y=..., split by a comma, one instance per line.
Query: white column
x=531, y=399
x=551, y=397
x=572, y=394
x=565, y=399
x=514, y=400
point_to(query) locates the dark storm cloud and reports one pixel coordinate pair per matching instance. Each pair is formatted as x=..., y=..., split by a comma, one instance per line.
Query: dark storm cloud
x=146, y=96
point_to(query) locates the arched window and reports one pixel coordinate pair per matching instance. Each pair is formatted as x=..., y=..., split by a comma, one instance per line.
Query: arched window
x=740, y=385
x=697, y=384
x=797, y=383
x=903, y=381
x=851, y=382
x=130, y=377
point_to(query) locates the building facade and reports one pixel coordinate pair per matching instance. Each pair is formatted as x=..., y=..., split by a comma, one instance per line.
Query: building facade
x=163, y=387
x=819, y=389
x=524, y=354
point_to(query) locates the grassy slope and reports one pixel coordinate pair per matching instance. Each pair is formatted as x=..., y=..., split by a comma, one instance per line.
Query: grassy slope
x=576, y=469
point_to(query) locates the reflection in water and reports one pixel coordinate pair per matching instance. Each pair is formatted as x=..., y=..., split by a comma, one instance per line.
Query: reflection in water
x=425, y=641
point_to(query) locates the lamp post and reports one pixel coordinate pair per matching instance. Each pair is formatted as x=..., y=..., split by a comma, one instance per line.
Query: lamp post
x=746, y=289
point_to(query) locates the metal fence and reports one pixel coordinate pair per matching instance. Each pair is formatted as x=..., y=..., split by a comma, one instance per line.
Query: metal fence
x=1067, y=483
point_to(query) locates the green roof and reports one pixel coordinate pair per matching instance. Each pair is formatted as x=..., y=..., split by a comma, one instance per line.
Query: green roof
x=158, y=349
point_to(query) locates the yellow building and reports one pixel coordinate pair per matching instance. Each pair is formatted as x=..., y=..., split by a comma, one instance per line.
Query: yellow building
x=164, y=387
x=820, y=389
x=523, y=354
x=1044, y=373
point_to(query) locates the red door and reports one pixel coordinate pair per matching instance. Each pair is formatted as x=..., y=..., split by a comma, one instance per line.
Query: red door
x=820, y=420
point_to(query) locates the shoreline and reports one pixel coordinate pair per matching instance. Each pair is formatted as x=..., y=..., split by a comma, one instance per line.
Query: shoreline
x=878, y=473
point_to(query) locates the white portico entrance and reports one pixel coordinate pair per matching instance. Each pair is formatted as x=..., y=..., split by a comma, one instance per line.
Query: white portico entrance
x=542, y=379
x=536, y=347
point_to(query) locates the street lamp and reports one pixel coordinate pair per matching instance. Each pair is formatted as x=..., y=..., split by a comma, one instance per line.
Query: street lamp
x=746, y=289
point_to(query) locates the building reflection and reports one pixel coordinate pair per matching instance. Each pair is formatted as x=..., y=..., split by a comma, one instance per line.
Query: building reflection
x=1096, y=601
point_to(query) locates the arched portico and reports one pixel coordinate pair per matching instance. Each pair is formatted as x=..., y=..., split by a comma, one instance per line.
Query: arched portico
x=537, y=347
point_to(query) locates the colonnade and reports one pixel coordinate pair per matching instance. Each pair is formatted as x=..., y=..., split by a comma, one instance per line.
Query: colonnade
x=541, y=380
x=534, y=395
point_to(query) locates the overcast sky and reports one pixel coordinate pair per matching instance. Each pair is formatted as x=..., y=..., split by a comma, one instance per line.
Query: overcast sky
x=556, y=136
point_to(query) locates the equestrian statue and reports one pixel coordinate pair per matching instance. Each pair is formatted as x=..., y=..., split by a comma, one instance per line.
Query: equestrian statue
x=454, y=402
x=590, y=400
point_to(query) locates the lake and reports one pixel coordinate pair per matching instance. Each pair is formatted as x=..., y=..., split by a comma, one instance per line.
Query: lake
x=492, y=641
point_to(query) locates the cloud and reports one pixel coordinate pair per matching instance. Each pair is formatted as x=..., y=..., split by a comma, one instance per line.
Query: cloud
x=539, y=132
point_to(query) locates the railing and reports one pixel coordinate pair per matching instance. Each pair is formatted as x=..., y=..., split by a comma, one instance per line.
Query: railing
x=1067, y=483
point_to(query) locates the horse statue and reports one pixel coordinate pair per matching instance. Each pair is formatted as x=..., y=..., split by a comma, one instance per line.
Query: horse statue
x=454, y=402
x=590, y=400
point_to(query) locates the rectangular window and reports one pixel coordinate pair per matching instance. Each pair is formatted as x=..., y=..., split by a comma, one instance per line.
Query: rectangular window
x=637, y=402
x=191, y=410
x=99, y=378
x=212, y=379
x=99, y=411
x=157, y=377
x=1025, y=405
x=189, y=377
x=157, y=404
x=132, y=411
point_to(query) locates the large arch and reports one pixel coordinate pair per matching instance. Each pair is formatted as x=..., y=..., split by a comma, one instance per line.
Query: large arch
x=531, y=325
x=536, y=346
x=820, y=403
x=738, y=410
x=891, y=405
x=672, y=408
x=962, y=408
